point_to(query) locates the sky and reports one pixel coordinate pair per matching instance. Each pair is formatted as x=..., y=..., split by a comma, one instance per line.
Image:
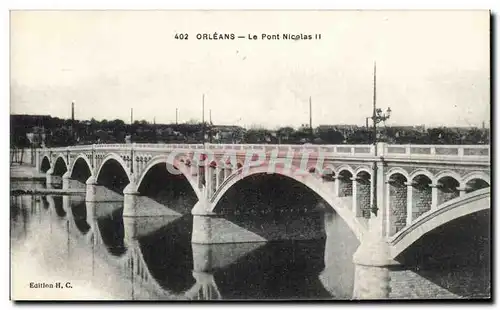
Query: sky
x=433, y=67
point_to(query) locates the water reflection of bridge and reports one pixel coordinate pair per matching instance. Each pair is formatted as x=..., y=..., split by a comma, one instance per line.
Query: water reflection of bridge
x=123, y=243
x=198, y=272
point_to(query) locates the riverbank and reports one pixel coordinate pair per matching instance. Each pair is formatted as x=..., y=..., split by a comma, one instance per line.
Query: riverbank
x=25, y=173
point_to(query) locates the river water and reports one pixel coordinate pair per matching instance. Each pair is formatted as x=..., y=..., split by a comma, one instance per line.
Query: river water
x=65, y=248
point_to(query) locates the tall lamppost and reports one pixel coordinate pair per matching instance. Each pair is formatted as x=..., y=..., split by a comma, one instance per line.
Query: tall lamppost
x=377, y=117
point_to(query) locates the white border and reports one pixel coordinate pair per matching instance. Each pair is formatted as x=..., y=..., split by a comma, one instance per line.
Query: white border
x=7, y=5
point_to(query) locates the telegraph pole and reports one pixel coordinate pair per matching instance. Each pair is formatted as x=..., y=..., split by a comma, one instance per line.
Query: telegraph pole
x=374, y=115
x=203, y=117
x=310, y=120
x=131, y=123
x=73, y=120
x=210, y=128
x=176, y=113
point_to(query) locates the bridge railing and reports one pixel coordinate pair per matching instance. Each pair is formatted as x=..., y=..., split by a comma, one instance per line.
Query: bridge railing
x=147, y=146
x=156, y=146
x=328, y=150
x=59, y=149
x=447, y=152
x=473, y=153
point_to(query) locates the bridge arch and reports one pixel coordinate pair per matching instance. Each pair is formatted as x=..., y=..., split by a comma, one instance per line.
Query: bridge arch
x=421, y=192
x=362, y=183
x=60, y=166
x=119, y=160
x=345, y=183
x=177, y=164
x=424, y=172
x=80, y=161
x=310, y=182
x=400, y=171
x=447, y=187
x=453, y=209
x=344, y=168
x=362, y=169
x=45, y=164
x=474, y=176
x=448, y=174
x=328, y=173
x=117, y=175
x=397, y=201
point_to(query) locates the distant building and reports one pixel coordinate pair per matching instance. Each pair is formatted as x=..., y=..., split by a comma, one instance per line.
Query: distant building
x=227, y=134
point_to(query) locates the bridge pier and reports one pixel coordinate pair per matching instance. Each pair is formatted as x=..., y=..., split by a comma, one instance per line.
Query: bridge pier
x=48, y=177
x=371, y=275
x=66, y=205
x=130, y=195
x=37, y=160
x=435, y=193
x=130, y=229
x=409, y=202
x=202, y=224
x=66, y=180
x=90, y=208
x=91, y=189
x=205, y=287
x=212, y=228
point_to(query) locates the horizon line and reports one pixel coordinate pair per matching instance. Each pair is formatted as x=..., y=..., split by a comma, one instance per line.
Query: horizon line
x=262, y=126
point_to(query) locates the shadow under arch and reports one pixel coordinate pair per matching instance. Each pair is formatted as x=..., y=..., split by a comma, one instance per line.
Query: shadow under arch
x=60, y=167
x=455, y=255
x=79, y=211
x=112, y=232
x=58, y=206
x=263, y=203
x=45, y=165
x=168, y=255
x=277, y=270
x=80, y=170
x=311, y=183
x=268, y=197
x=171, y=190
x=113, y=176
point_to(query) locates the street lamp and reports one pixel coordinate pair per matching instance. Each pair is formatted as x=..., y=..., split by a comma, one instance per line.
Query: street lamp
x=377, y=117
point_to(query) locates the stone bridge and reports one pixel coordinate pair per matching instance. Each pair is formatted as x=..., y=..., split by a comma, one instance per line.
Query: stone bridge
x=388, y=195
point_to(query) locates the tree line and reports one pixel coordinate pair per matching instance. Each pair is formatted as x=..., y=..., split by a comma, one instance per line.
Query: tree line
x=31, y=130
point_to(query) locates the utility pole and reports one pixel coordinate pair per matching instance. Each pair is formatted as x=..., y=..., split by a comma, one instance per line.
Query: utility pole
x=176, y=113
x=203, y=117
x=131, y=123
x=210, y=128
x=310, y=120
x=374, y=115
x=73, y=120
